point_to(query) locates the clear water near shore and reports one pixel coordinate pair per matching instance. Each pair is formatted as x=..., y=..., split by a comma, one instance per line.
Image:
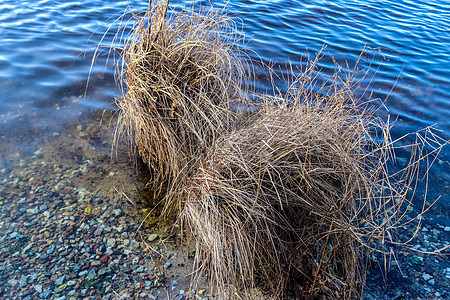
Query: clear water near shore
x=55, y=154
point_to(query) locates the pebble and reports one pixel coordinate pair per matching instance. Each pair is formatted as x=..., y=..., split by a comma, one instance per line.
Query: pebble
x=51, y=248
x=12, y=282
x=71, y=282
x=45, y=294
x=98, y=231
x=33, y=278
x=95, y=263
x=103, y=271
x=38, y=288
x=23, y=281
x=167, y=265
x=174, y=283
x=104, y=259
x=60, y=280
x=152, y=237
x=91, y=275
x=111, y=242
x=426, y=276
x=102, y=248
x=447, y=228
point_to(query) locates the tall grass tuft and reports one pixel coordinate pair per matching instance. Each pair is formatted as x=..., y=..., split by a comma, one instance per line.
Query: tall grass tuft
x=182, y=75
x=294, y=197
x=297, y=198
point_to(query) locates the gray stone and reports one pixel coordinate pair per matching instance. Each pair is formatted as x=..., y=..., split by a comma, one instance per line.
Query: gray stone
x=426, y=276
x=111, y=242
x=71, y=282
x=91, y=275
x=23, y=281
x=12, y=282
x=167, y=265
x=45, y=294
x=60, y=280
x=50, y=249
x=33, y=278
x=38, y=288
x=152, y=237
x=104, y=271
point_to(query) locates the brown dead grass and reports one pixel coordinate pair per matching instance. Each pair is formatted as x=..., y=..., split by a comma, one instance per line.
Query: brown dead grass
x=182, y=75
x=292, y=198
x=296, y=199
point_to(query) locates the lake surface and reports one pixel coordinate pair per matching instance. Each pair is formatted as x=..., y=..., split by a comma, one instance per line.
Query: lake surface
x=48, y=46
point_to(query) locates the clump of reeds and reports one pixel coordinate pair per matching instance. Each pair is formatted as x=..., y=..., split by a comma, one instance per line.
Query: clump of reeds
x=293, y=198
x=297, y=197
x=182, y=74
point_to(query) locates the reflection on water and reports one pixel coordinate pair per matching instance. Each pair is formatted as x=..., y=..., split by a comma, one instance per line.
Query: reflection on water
x=45, y=59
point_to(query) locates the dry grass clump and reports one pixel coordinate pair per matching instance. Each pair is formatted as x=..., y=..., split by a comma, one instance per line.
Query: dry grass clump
x=182, y=73
x=296, y=198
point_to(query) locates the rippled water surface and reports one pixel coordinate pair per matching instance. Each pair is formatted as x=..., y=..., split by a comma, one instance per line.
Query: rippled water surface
x=48, y=46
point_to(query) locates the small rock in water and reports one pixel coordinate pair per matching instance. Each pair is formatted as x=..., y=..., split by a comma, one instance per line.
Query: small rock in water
x=45, y=294
x=111, y=242
x=33, y=278
x=23, y=281
x=38, y=288
x=174, y=283
x=102, y=248
x=431, y=281
x=426, y=276
x=447, y=228
x=91, y=275
x=12, y=282
x=152, y=237
x=104, y=259
x=167, y=265
x=51, y=249
x=60, y=280
x=71, y=282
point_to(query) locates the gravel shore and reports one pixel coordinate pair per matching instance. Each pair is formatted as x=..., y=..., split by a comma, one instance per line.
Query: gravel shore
x=68, y=225
x=69, y=220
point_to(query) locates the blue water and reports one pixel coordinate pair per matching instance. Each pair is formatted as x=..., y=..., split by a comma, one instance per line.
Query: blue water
x=47, y=49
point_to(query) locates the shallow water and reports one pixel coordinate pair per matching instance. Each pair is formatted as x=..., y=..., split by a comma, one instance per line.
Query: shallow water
x=45, y=60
